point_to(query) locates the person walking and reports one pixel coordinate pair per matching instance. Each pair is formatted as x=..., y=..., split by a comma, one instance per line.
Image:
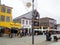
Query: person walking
x=19, y=33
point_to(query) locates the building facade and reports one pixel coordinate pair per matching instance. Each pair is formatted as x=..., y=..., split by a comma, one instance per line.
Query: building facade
x=26, y=21
x=47, y=22
x=6, y=22
x=26, y=24
x=58, y=28
x=5, y=13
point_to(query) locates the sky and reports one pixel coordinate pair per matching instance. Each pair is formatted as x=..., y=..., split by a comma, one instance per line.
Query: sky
x=46, y=8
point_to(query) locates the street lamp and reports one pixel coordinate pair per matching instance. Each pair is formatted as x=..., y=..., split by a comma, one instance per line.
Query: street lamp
x=32, y=22
x=28, y=4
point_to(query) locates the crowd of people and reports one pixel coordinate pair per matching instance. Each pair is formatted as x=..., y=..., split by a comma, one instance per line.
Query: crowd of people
x=18, y=33
x=21, y=33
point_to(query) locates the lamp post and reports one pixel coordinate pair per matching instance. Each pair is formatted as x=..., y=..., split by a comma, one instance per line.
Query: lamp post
x=28, y=4
x=32, y=22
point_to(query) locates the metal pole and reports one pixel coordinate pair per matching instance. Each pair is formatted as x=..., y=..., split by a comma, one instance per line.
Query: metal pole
x=32, y=22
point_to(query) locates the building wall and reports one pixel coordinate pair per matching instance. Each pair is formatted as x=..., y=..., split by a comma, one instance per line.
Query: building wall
x=5, y=15
x=26, y=23
x=44, y=23
x=58, y=27
x=47, y=22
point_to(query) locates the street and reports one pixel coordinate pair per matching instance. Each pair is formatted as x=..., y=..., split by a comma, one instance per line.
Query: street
x=38, y=40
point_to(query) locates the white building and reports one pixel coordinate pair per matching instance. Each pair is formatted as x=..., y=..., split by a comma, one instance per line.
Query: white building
x=26, y=23
x=26, y=20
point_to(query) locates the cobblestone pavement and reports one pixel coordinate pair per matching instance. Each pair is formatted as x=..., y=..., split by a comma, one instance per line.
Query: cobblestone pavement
x=38, y=40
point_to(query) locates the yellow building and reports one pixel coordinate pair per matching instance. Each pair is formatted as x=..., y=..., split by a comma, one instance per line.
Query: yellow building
x=6, y=18
x=5, y=15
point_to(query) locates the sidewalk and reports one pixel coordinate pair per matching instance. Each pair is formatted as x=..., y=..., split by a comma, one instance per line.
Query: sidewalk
x=57, y=43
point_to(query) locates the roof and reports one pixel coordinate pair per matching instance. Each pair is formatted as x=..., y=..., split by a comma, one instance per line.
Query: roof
x=25, y=18
x=27, y=15
x=58, y=24
x=6, y=6
x=47, y=18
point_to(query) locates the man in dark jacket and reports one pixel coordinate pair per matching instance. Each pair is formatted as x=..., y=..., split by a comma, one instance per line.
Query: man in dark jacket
x=48, y=36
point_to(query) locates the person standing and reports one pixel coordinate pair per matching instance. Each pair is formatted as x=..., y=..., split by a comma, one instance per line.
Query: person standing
x=48, y=36
x=24, y=32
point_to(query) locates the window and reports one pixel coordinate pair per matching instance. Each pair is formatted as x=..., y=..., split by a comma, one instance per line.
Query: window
x=30, y=22
x=2, y=18
x=7, y=19
x=8, y=10
x=3, y=9
x=36, y=23
x=26, y=22
x=22, y=21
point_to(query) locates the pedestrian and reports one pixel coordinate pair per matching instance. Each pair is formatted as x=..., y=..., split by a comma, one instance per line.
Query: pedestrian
x=21, y=33
x=11, y=33
x=48, y=36
x=18, y=34
x=0, y=33
x=24, y=32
